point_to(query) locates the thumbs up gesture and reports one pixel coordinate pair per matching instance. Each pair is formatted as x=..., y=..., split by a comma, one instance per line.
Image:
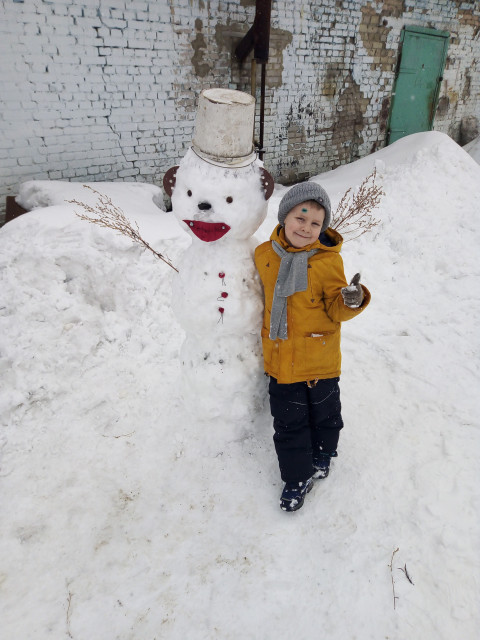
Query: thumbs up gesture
x=353, y=294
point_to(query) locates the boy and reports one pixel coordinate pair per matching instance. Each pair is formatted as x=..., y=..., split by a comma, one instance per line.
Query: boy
x=306, y=299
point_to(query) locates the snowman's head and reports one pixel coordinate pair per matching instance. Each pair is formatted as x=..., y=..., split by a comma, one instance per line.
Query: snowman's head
x=215, y=202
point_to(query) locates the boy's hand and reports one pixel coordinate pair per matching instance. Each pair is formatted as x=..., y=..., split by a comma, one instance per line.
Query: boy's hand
x=353, y=294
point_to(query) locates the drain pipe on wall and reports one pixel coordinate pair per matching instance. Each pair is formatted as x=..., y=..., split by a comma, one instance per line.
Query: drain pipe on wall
x=258, y=39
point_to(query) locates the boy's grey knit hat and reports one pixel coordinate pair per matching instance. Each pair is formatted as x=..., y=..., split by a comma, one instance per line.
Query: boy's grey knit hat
x=301, y=193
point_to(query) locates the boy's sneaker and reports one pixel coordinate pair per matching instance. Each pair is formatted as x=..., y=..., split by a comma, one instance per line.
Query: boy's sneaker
x=321, y=464
x=293, y=495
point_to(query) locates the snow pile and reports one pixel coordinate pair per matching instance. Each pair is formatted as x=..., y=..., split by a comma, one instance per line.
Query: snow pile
x=134, y=196
x=140, y=202
x=121, y=521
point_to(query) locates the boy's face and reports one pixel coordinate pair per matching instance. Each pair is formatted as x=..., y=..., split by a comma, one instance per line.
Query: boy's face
x=303, y=224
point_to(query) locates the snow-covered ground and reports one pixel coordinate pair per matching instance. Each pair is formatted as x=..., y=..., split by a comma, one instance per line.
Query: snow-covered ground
x=121, y=520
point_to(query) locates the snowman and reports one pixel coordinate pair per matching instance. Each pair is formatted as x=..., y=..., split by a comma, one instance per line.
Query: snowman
x=219, y=194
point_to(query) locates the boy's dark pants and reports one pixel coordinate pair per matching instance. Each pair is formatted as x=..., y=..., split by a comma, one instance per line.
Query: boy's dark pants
x=306, y=420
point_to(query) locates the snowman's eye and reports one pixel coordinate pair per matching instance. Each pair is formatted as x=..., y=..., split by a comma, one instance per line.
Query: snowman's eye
x=189, y=193
x=229, y=199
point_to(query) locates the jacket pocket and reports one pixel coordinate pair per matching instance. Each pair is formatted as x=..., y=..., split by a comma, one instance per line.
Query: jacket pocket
x=317, y=355
x=270, y=352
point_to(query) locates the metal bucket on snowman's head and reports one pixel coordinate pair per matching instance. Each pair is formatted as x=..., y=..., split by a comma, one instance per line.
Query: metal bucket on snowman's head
x=224, y=128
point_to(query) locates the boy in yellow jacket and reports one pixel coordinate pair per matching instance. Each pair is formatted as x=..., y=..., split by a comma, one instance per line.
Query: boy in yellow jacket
x=306, y=299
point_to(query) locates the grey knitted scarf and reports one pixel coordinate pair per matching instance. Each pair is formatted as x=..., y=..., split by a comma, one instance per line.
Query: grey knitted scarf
x=292, y=277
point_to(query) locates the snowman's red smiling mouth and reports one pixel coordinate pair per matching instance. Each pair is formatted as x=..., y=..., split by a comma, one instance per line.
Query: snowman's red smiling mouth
x=207, y=231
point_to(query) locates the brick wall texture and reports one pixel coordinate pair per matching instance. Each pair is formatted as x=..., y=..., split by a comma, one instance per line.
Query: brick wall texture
x=94, y=90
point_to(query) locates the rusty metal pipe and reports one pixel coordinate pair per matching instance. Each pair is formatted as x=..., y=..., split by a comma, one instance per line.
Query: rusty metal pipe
x=253, y=77
x=261, y=152
x=253, y=89
x=258, y=39
x=258, y=36
x=263, y=10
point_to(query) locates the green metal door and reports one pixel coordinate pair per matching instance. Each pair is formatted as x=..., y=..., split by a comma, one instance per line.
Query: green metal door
x=415, y=94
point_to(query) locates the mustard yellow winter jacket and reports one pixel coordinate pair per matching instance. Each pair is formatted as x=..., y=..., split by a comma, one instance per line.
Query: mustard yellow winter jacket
x=312, y=348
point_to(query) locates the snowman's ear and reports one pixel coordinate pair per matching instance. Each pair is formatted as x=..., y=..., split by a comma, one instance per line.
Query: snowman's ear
x=268, y=182
x=169, y=180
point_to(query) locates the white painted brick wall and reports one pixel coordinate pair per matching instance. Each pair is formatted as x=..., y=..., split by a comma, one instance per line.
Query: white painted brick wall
x=320, y=29
x=92, y=91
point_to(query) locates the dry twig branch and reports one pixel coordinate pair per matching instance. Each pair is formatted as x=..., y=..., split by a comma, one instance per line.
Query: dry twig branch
x=69, y=601
x=108, y=215
x=404, y=569
x=122, y=435
x=395, y=597
x=353, y=216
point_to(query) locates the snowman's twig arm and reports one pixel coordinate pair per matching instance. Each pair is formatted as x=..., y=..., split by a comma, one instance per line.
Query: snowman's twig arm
x=108, y=215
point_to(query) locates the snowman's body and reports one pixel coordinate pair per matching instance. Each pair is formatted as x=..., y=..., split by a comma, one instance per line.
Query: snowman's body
x=217, y=295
